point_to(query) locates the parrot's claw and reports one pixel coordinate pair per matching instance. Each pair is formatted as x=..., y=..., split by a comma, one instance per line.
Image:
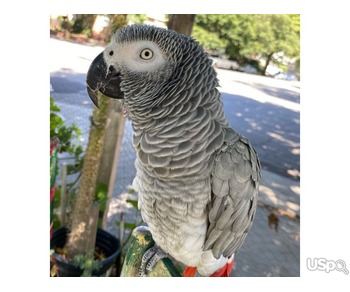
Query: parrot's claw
x=149, y=259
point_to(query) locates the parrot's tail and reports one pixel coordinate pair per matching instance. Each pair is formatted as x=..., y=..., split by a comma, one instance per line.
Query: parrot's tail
x=223, y=272
x=190, y=271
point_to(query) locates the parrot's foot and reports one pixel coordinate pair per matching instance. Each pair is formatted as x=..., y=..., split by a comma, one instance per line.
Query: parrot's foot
x=150, y=258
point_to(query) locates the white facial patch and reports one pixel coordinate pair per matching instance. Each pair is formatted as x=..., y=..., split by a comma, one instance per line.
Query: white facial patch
x=137, y=56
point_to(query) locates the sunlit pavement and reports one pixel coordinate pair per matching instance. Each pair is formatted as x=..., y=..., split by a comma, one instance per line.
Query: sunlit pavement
x=265, y=110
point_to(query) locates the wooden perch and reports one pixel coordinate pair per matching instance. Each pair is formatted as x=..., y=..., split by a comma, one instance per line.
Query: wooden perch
x=140, y=241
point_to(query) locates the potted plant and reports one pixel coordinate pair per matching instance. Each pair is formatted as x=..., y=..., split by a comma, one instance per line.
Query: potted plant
x=94, y=263
x=83, y=249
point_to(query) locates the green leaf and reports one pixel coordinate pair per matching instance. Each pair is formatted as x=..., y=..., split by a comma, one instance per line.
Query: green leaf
x=53, y=107
x=101, y=190
x=131, y=191
x=134, y=203
x=69, y=136
x=130, y=226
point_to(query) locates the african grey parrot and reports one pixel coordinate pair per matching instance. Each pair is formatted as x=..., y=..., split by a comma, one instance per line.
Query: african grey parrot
x=197, y=178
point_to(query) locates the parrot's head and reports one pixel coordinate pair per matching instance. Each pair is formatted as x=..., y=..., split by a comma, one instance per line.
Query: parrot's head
x=145, y=65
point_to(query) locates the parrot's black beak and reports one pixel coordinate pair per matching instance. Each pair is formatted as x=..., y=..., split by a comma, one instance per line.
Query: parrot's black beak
x=102, y=79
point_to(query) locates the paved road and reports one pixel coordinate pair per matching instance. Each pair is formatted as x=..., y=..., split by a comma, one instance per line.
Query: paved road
x=265, y=110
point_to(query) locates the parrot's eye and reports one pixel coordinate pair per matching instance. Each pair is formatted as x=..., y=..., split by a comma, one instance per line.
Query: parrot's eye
x=146, y=54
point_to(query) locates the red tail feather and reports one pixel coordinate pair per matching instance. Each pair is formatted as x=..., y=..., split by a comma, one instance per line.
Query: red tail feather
x=224, y=271
x=190, y=272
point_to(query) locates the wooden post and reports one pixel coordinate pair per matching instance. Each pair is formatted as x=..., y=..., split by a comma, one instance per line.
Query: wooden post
x=92, y=226
x=110, y=156
x=64, y=195
x=140, y=241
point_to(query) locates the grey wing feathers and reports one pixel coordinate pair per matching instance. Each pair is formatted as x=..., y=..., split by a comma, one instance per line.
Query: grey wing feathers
x=235, y=181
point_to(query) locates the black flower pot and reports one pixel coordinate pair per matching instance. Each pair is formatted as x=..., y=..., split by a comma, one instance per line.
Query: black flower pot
x=109, y=245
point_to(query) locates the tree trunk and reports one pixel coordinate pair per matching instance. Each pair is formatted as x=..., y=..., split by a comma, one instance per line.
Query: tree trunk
x=269, y=57
x=181, y=23
x=116, y=21
x=78, y=241
x=78, y=238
